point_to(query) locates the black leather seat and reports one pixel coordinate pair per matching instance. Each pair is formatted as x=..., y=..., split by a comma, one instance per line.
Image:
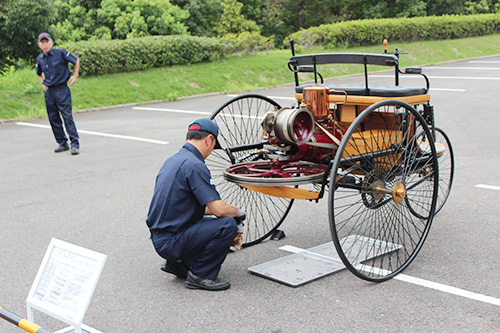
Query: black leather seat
x=383, y=91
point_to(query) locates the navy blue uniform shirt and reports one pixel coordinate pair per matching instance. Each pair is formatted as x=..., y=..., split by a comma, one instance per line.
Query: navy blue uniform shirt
x=54, y=66
x=183, y=187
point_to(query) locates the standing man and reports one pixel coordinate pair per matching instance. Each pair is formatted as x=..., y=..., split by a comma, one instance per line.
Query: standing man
x=194, y=245
x=53, y=71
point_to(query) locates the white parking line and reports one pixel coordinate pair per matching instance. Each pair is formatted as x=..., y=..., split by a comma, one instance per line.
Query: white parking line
x=272, y=97
x=489, y=187
x=467, y=68
x=445, y=77
x=465, y=78
x=448, y=289
x=172, y=110
x=446, y=89
x=421, y=282
x=116, y=136
x=484, y=62
x=197, y=112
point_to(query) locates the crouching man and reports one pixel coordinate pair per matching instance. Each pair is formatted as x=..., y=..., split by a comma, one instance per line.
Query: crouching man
x=194, y=245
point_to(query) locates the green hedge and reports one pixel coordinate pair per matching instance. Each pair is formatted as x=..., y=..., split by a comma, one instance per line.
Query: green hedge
x=101, y=57
x=368, y=32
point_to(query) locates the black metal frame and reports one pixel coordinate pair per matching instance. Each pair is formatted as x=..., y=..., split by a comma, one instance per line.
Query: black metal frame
x=302, y=64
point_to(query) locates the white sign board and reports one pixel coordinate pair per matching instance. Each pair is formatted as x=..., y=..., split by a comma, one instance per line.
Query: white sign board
x=65, y=282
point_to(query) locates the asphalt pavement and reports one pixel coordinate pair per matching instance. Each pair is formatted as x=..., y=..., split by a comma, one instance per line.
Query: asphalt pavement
x=99, y=200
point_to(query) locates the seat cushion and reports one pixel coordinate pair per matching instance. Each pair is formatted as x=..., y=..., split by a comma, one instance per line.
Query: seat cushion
x=383, y=91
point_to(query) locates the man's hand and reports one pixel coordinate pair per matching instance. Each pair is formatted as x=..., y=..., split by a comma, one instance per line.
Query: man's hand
x=72, y=80
x=238, y=240
x=240, y=217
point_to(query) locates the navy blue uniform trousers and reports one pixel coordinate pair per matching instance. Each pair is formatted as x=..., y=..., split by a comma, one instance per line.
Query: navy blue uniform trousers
x=58, y=103
x=202, y=247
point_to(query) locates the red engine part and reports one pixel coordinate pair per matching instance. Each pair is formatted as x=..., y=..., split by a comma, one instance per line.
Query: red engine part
x=312, y=152
x=275, y=169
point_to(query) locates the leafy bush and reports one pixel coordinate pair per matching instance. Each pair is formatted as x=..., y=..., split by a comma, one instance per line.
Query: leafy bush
x=248, y=42
x=367, y=32
x=117, y=19
x=113, y=56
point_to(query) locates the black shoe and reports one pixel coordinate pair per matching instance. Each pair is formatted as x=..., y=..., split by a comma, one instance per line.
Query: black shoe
x=175, y=267
x=194, y=282
x=74, y=151
x=61, y=148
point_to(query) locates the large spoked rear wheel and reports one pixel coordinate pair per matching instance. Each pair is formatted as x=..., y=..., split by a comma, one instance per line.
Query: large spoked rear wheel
x=240, y=133
x=383, y=191
x=446, y=162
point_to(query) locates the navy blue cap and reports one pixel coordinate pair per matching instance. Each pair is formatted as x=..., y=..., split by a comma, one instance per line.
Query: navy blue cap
x=44, y=35
x=207, y=125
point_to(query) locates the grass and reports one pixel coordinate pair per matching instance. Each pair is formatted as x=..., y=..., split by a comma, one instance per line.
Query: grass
x=21, y=95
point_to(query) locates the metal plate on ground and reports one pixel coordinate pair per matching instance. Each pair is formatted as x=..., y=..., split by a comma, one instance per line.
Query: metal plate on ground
x=308, y=265
x=296, y=269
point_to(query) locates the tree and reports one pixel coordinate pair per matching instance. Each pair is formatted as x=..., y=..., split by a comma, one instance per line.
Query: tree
x=118, y=19
x=203, y=15
x=20, y=23
x=371, y=9
x=232, y=21
x=283, y=17
x=408, y=8
x=481, y=6
x=253, y=9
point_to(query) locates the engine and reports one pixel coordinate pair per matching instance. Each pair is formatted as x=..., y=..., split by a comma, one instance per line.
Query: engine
x=303, y=133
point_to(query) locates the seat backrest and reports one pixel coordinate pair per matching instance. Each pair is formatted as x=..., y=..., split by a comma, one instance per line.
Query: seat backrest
x=365, y=59
x=344, y=58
